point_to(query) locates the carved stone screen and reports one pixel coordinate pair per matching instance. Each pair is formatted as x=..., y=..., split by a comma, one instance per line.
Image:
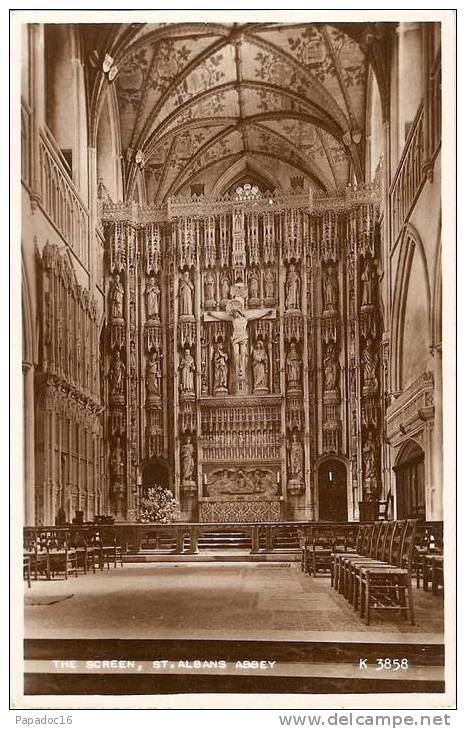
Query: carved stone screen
x=242, y=350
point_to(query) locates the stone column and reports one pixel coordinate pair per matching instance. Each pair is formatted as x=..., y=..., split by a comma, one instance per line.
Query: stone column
x=434, y=510
x=92, y=197
x=37, y=104
x=29, y=445
x=410, y=76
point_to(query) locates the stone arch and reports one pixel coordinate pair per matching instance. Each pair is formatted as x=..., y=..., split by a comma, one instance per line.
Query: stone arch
x=29, y=344
x=65, y=95
x=436, y=312
x=332, y=503
x=107, y=143
x=238, y=170
x=155, y=471
x=410, y=242
x=410, y=480
x=374, y=126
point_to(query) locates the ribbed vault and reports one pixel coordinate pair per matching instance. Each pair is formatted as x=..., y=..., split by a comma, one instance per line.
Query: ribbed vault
x=195, y=98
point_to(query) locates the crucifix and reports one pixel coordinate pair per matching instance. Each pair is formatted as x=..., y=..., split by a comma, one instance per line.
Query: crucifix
x=239, y=316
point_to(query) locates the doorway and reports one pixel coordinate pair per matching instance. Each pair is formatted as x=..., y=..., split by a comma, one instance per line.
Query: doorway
x=410, y=483
x=154, y=473
x=333, y=498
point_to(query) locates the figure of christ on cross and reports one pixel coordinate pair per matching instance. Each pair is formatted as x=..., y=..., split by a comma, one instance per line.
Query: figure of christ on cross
x=239, y=317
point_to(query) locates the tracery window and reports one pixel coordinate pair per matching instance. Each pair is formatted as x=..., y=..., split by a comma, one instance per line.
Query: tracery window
x=247, y=191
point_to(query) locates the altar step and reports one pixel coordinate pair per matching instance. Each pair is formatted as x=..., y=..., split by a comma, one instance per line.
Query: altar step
x=213, y=555
x=227, y=666
x=285, y=539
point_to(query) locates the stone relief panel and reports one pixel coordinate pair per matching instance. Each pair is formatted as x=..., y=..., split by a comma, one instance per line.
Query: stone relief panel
x=241, y=481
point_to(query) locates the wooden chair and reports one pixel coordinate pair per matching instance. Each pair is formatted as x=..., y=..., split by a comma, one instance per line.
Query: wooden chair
x=354, y=546
x=62, y=557
x=437, y=572
x=381, y=535
x=27, y=569
x=429, y=541
x=343, y=543
x=86, y=552
x=370, y=540
x=108, y=550
x=384, y=508
x=303, y=543
x=320, y=550
x=35, y=549
x=390, y=536
x=432, y=571
x=390, y=587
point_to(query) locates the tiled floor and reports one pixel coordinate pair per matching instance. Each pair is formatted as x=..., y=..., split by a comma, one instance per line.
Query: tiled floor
x=241, y=600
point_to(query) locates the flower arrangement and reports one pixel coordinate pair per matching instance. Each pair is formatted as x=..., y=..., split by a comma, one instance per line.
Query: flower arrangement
x=158, y=506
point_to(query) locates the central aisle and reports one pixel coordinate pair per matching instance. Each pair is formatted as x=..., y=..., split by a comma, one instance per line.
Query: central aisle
x=212, y=601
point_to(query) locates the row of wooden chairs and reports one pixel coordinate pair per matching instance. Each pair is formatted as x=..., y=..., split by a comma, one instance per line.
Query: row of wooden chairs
x=428, y=556
x=378, y=574
x=320, y=545
x=51, y=552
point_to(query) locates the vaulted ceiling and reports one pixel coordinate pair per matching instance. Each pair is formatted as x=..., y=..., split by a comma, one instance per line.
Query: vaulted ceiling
x=197, y=100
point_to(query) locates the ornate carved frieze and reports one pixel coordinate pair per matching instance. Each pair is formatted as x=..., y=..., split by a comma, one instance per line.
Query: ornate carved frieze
x=70, y=343
x=152, y=236
x=152, y=336
x=242, y=481
x=239, y=511
x=240, y=430
x=411, y=410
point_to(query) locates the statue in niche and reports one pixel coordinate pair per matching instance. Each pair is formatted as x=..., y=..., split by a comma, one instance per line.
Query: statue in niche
x=132, y=313
x=209, y=287
x=117, y=293
x=239, y=318
x=330, y=369
x=153, y=375
x=220, y=369
x=185, y=295
x=260, y=362
x=295, y=461
x=187, y=368
x=225, y=287
x=369, y=412
x=152, y=299
x=330, y=288
x=132, y=357
x=117, y=374
x=187, y=461
x=369, y=458
x=204, y=384
x=367, y=283
x=369, y=360
x=293, y=368
x=292, y=288
x=117, y=466
x=269, y=281
x=253, y=285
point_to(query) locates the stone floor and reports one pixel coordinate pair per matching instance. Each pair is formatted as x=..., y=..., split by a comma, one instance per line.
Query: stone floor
x=242, y=601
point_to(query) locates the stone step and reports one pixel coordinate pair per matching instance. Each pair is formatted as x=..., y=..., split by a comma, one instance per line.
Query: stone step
x=285, y=539
x=214, y=555
x=227, y=666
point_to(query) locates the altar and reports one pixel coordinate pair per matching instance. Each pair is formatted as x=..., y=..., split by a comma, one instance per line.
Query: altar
x=239, y=509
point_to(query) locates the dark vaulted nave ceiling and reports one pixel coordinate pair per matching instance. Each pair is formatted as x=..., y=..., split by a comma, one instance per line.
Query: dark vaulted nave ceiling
x=199, y=103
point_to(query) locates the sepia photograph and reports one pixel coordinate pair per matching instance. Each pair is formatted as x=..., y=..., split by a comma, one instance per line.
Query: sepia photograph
x=231, y=256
